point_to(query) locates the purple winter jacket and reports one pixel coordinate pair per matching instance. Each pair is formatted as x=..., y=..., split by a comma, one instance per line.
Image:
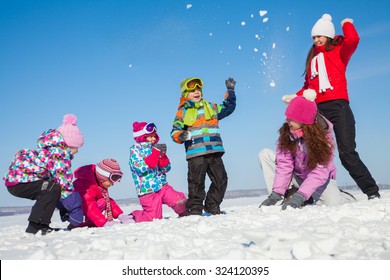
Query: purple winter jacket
x=288, y=165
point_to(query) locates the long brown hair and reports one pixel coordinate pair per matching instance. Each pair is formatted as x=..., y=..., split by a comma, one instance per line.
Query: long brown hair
x=329, y=45
x=319, y=147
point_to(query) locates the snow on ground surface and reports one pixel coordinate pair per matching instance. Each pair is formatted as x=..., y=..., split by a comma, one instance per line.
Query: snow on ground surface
x=354, y=231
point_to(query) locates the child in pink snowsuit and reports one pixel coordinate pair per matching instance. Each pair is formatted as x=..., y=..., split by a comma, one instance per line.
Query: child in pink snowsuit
x=149, y=165
x=92, y=183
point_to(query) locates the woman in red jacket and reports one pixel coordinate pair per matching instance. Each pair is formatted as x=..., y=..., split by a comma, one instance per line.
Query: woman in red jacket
x=92, y=183
x=326, y=65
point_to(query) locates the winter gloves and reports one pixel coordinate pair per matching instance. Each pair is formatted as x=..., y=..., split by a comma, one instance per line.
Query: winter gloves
x=162, y=148
x=70, y=209
x=295, y=201
x=185, y=136
x=272, y=199
x=230, y=84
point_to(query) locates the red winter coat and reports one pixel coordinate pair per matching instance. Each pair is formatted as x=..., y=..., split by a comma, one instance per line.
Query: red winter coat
x=86, y=184
x=336, y=62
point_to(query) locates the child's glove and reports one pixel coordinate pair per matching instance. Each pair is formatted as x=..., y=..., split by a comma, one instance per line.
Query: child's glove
x=346, y=20
x=126, y=218
x=162, y=148
x=73, y=211
x=230, y=83
x=295, y=201
x=287, y=98
x=110, y=223
x=185, y=136
x=272, y=199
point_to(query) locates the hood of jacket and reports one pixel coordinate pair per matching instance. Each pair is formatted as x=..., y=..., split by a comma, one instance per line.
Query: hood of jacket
x=85, y=177
x=51, y=138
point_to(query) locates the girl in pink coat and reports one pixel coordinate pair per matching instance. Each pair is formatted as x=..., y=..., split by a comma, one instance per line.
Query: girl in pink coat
x=304, y=153
x=92, y=183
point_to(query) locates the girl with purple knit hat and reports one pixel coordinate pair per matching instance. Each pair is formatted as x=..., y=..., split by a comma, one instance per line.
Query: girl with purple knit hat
x=45, y=175
x=304, y=158
x=149, y=164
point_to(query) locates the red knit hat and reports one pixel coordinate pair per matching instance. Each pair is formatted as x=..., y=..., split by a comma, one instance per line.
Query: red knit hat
x=140, y=131
x=106, y=169
x=301, y=110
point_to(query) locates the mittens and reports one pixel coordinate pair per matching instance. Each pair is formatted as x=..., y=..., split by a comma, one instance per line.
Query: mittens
x=287, y=98
x=152, y=159
x=126, y=218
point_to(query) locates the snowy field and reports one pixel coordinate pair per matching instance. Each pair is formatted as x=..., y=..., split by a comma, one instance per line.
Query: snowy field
x=354, y=231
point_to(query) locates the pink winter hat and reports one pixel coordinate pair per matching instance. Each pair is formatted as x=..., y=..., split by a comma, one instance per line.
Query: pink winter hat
x=301, y=110
x=71, y=133
x=143, y=129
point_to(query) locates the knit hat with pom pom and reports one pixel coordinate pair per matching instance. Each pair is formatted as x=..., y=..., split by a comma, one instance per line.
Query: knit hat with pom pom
x=303, y=109
x=324, y=27
x=71, y=133
x=143, y=133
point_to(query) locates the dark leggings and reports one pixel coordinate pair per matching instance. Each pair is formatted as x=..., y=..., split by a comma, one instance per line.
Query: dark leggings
x=339, y=113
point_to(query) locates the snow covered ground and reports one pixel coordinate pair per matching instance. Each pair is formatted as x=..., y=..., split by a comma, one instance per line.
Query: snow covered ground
x=354, y=231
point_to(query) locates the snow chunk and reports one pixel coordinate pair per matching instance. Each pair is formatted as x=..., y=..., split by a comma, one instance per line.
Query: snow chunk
x=288, y=28
x=243, y=23
x=262, y=13
x=272, y=83
x=265, y=19
x=273, y=45
x=189, y=6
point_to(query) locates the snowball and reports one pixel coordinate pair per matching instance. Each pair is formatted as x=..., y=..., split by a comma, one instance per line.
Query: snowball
x=262, y=13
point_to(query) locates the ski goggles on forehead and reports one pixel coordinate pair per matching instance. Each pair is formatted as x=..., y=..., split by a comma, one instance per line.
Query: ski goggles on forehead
x=192, y=84
x=113, y=177
x=149, y=128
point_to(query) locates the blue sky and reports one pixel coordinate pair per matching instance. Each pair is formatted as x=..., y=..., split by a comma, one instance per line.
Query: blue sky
x=115, y=62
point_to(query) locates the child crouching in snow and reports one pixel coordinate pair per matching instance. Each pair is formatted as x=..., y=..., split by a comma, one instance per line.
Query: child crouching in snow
x=92, y=183
x=45, y=175
x=304, y=153
x=149, y=164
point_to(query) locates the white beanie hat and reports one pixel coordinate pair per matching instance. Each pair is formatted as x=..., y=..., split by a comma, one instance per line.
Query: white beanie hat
x=324, y=27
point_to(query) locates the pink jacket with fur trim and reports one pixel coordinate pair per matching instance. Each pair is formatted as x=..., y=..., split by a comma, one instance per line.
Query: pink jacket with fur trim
x=288, y=165
x=86, y=184
x=336, y=62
